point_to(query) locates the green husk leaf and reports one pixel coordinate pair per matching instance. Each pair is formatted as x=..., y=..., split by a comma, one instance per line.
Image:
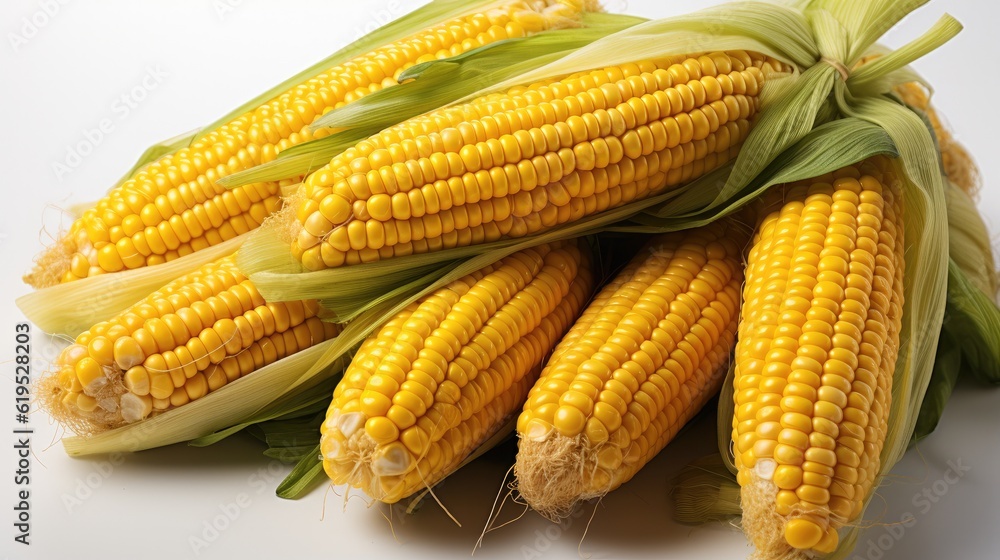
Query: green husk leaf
x=831, y=37
x=705, y=490
x=947, y=366
x=70, y=308
x=294, y=432
x=829, y=147
x=227, y=406
x=425, y=16
x=304, y=403
x=969, y=242
x=865, y=21
x=346, y=308
x=974, y=322
x=779, y=126
x=425, y=87
x=469, y=72
x=299, y=160
x=156, y=151
x=870, y=78
x=302, y=477
x=969, y=337
x=725, y=412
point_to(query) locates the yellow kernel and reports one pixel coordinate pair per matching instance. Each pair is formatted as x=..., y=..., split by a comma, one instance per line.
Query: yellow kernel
x=802, y=534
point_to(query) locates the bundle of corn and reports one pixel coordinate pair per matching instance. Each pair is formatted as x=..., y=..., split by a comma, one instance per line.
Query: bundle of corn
x=650, y=350
x=172, y=204
x=191, y=337
x=449, y=219
x=450, y=370
x=535, y=162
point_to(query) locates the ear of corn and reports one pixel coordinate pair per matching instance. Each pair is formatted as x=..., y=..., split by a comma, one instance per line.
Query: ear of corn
x=447, y=372
x=640, y=362
x=514, y=164
x=174, y=206
x=817, y=348
x=191, y=337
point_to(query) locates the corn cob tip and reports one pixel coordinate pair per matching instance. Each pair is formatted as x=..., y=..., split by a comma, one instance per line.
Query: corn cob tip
x=49, y=396
x=772, y=533
x=183, y=341
x=550, y=473
x=645, y=356
x=51, y=264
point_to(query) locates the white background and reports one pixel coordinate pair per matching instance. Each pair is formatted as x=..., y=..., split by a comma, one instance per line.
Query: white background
x=67, y=78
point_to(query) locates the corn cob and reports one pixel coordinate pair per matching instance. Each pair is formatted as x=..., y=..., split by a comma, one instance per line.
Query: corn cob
x=513, y=164
x=817, y=348
x=193, y=336
x=174, y=207
x=450, y=370
x=642, y=360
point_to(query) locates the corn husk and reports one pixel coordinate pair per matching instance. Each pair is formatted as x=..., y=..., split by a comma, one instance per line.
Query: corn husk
x=230, y=405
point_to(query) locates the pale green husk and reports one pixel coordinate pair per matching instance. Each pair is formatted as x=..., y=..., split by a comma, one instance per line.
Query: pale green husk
x=71, y=308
